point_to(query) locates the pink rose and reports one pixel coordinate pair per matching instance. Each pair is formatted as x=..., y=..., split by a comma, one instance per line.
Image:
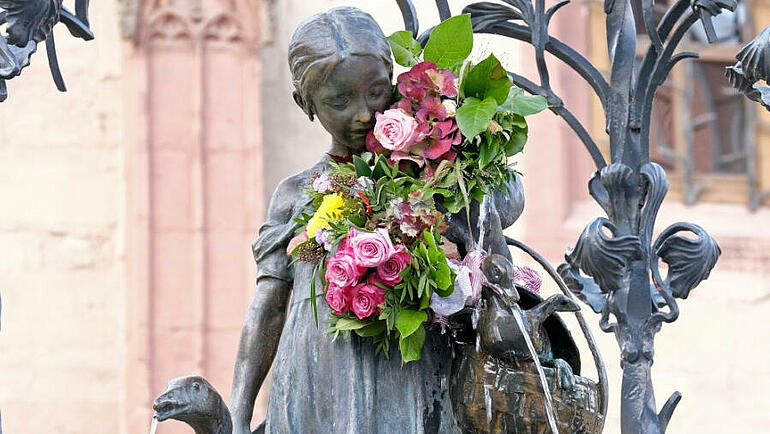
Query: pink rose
x=395, y=129
x=342, y=270
x=366, y=300
x=337, y=299
x=390, y=270
x=371, y=249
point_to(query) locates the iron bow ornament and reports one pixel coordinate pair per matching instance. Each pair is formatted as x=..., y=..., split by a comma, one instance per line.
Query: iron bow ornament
x=614, y=264
x=30, y=22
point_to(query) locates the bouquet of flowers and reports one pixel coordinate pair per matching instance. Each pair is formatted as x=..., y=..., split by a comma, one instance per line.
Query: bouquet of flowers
x=375, y=233
x=448, y=109
x=375, y=240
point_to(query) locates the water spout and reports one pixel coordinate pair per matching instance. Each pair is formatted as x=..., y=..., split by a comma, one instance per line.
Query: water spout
x=481, y=223
x=154, y=425
x=515, y=310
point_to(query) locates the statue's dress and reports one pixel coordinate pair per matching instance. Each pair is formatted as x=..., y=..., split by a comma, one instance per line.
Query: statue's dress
x=341, y=386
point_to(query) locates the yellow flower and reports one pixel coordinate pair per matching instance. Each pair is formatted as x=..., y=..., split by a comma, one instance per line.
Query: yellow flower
x=329, y=211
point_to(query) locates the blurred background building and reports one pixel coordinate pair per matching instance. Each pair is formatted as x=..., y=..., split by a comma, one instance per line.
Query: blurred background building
x=128, y=205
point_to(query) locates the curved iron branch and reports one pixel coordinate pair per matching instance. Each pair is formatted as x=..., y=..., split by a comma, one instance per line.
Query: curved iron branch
x=410, y=16
x=561, y=51
x=556, y=105
x=443, y=9
x=645, y=70
x=658, y=76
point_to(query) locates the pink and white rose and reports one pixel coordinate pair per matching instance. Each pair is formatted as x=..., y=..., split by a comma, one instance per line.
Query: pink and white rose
x=366, y=300
x=371, y=249
x=338, y=299
x=342, y=270
x=395, y=129
x=390, y=270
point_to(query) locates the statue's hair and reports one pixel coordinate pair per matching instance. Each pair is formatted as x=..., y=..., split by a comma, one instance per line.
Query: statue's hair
x=322, y=41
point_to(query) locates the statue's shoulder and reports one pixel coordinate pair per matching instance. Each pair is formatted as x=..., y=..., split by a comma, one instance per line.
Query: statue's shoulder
x=291, y=190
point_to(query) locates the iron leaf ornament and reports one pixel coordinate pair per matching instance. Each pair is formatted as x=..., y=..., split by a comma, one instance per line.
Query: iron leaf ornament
x=30, y=22
x=753, y=66
x=614, y=266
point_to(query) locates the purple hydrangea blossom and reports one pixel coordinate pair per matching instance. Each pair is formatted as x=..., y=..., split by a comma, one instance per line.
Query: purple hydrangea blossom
x=322, y=238
x=322, y=183
x=364, y=183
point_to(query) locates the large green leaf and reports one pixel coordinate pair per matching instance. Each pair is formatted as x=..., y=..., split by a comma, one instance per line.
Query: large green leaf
x=488, y=78
x=411, y=346
x=443, y=277
x=516, y=143
x=373, y=329
x=349, y=324
x=362, y=168
x=409, y=320
x=488, y=151
x=474, y=115
x=450, y=42
x=522, y=104
x=406, y=50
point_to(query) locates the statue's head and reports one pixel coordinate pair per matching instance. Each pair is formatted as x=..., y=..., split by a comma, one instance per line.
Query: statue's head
x=341, y=67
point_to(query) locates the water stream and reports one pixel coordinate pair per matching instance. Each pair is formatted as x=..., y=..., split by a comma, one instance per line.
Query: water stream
x=515, y=310
x=154, y=425
x=480, y=224
x=543, y=382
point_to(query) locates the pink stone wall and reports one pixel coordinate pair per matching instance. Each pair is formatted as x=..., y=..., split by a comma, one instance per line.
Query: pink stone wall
x=194, y=197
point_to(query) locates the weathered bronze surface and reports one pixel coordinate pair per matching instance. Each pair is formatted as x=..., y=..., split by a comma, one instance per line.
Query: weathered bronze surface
x=491, y=395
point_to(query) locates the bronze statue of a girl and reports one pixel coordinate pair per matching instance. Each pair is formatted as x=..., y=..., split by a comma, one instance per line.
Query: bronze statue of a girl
x=341, y=67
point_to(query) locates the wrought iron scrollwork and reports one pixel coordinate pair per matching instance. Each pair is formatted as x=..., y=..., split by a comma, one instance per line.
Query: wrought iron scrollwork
x=611, y=266
x=30, y=22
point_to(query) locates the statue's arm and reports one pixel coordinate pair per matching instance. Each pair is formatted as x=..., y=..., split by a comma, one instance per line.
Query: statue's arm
x=267, y=313
x=259, y=342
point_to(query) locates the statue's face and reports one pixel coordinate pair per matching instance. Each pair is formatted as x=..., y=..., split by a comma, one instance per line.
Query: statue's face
x=345, y=104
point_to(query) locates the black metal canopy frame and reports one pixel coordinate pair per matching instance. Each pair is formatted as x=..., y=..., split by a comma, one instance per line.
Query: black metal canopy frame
x=30, y=22
x=614, y=266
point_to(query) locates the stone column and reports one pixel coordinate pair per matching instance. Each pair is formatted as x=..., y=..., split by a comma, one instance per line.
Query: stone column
x=194, y=167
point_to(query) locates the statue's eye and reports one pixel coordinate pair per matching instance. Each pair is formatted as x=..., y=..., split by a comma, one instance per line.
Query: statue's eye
x=338, y=103
x=376, y=92
x=196, y=387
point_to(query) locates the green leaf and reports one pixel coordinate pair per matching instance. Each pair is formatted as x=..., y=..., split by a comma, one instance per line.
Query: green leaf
x=488, y=152
x=521, y=104
x=486, y=79
x=425, y=300
x=409, y=321
x=516, y=143
x=450, y=42
x=313, y=301
x=442, y=274
x=474, y=115
x=362, y=168
x=380, y=169
x=406, y=50
x=370, y=330
x=477, y=193
x=411, y=346
x=429, y=238
x=454, y=204
x=349, y=324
